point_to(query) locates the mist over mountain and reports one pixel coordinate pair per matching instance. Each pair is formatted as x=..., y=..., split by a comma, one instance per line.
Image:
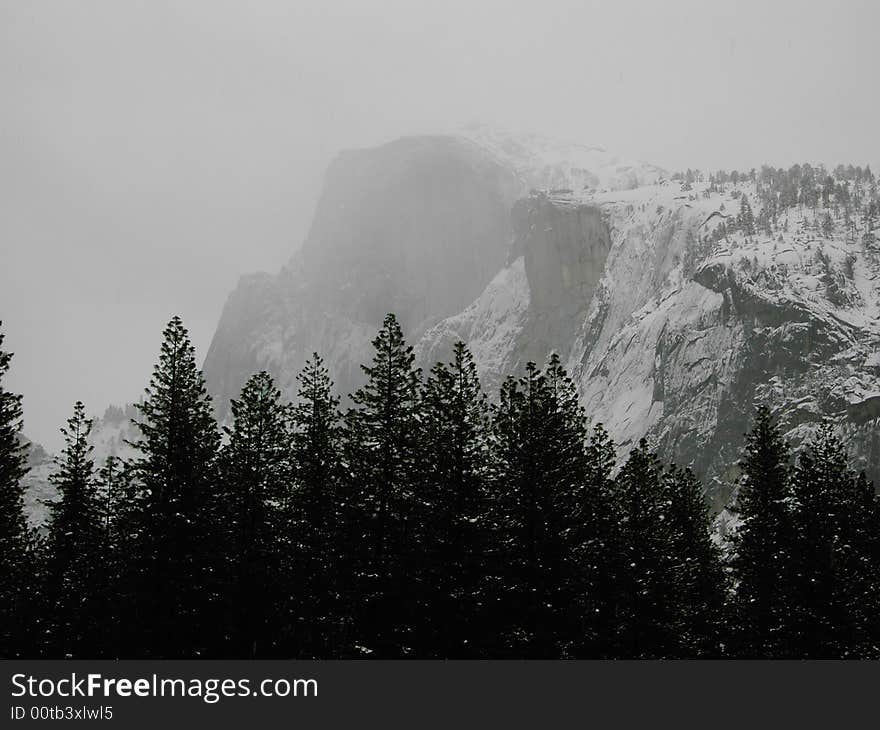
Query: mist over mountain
x=677, y=301
x=672, y=327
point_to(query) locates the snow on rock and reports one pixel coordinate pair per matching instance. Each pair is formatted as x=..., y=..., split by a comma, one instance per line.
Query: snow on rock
x=490, y=325
x=672, y=329
x=683, y=335
x=417, y=227
x=546, y=163
x=109, y=437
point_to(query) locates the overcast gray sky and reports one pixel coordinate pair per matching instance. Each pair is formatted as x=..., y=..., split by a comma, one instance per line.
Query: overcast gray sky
x=150, y=152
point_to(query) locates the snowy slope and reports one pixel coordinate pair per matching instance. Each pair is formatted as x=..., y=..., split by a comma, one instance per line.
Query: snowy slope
x=546, y=163
x=682, y=335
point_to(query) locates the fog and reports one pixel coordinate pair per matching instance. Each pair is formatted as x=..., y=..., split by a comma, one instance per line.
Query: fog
x=150, y=152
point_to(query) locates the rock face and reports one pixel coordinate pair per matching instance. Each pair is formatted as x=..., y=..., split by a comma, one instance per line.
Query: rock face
x=558, y=252
x=677, y=339
x=670, y=332
x=418, y=227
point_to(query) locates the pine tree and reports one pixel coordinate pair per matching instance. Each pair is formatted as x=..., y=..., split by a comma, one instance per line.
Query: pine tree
x=540, y=465
x=763, y=562
x=827, y=226
x=859, y=569
x=256, y=475
x=382, y=432
x=670, y=590
x=599, y=553
x=75, y=546
x=646, y=603
x=746, y=219
x=835, y=533
x=116, y=501
x=695, y=577
x=175, y=591
x=455, y=445
x=321, y=565
x=15, y=554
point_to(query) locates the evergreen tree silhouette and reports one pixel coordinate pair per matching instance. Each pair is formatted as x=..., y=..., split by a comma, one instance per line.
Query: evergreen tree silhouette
x=427, y=524
x=646, y=600
x=75, y=547
x=455, y=446
x=256, y=474
x=176, y=524
x=321, y=564
x=116, y=501
x=696, y=577
x=540, y=467
x=764, y=561
x=599, y=553
x=382, y=436
x=16, y=556
x=834, y=552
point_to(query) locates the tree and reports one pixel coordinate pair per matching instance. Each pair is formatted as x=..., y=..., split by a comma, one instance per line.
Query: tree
x=827, y=225
x=15, y=552
x=256, y=477
x=320, y=560
x=175, y=525
x=75, y=547
x=645, y=602
x=455, y=445
x=835, y=532
x=117, y=502
x=540, y=468
x=763, y=561
x=670, y=584
x=746, y=219
x=599, y=552
x=696, y=579
x=382, y=432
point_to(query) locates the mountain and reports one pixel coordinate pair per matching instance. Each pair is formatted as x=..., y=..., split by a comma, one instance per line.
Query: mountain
x=418, y=226
x=676, y=302
x=674, y=335
x=671, y=331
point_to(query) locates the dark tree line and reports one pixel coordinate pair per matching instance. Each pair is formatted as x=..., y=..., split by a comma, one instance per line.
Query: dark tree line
x=423, y=521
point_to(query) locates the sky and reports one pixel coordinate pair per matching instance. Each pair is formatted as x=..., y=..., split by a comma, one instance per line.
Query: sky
x=151, y=152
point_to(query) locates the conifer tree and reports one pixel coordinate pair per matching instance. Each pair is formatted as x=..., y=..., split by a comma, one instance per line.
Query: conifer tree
x=256, y=475
x=696, y=578
x=859, y=569
x=455, y=445
x=117, y=500
x=764, y=560
x=382, y=432
x=75, y=547
x=176, y=523
x=599, y=553
x=321, y=564
x=15, y=555
x=746, y=217
x=540, y=467
x=670, y=588
x=835, y=534
x=646, y=602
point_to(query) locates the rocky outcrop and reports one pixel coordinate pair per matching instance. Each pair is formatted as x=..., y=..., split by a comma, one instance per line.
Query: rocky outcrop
x=674, y=338
x=417, y=227
x=669, y=332
x=558, y=253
